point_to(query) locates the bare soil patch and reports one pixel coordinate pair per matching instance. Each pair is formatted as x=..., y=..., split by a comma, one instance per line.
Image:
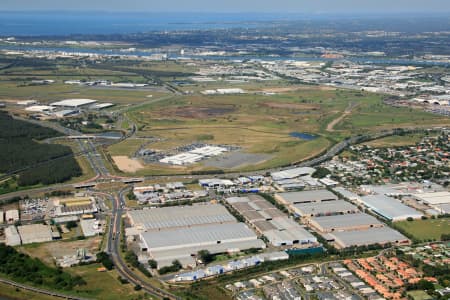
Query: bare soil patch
x=192, y=112
x=126, y=164
x=300, y=106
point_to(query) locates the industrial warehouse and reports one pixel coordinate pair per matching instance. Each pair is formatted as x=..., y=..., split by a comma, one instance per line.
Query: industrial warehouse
x=271, y=222
x=315, y=203
x=439, y=201
x=193, y=155
x=178, y=233
x=390, y=208
x=338, y=221
x=381, y=235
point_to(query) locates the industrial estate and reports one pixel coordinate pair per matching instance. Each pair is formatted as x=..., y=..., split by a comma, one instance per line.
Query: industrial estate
x=227, y=164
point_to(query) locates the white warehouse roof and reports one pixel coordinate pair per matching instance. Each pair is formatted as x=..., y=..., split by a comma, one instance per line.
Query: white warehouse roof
x=184, y=216
x=292, y=173
x=73, y=102
x=203, y=236
x=390, y=208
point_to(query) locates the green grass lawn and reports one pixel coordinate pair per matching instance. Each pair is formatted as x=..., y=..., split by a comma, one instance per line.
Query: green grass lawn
x=396, y=141
x=419, y=295
x=426, y=229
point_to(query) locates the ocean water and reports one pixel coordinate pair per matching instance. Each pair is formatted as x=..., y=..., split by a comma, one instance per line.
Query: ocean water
x=65, y=23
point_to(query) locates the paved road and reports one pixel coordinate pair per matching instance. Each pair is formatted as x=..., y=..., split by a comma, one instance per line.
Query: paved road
x=113, y=245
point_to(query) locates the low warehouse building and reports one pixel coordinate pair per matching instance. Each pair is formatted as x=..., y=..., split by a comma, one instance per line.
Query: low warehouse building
x=305, y=197
x=182, y=216
x=325, y=208
x=390, y=208
x=35, y=233
x=73, y=103
x=271, y=222
x=12, y=216
x=357, y=221
x=183, y=243
x=12, y=237
x=382, y=235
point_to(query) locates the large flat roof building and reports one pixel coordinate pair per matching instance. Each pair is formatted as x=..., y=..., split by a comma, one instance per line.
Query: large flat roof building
x=292, y=173
x=180, y=216
x=324, y=208
x=381, y=235
x=390, y=208
x=357, y=221
x=73, y=102
x=182, y=244
x=305, y=196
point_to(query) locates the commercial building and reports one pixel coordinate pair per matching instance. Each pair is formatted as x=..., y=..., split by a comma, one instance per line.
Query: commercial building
x=271, y=222
x=73, y=103
x=179, y=216
x=390, y=208
x=216, y=183
x=381, y=235
x=35, y=233
x=75, y=206
x=356, y=221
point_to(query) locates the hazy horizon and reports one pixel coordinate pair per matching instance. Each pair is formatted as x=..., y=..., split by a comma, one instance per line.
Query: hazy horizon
x=236, y=6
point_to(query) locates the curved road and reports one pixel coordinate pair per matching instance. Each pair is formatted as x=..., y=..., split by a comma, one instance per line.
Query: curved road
x=113, y=246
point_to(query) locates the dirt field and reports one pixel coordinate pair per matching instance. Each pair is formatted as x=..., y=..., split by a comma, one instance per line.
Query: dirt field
x=294, y=88
x=197, y=112
x=47, y=251
x=291, y=105
x=126, y=164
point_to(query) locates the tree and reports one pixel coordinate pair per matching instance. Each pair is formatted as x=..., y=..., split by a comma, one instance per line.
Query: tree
x=71, y=224
x=153, y=263
x=321, y=172
x=205, y=256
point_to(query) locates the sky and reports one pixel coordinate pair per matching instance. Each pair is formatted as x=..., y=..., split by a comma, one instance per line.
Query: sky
x=234, y=6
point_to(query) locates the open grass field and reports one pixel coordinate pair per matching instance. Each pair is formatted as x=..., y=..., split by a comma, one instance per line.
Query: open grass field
x=396, y=141
x=261, y=124
x=419, y=295
x=19, y=294
x=257, y=123
x=426, y=229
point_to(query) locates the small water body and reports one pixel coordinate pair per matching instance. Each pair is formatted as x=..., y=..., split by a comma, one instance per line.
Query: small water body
x=303, y=136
